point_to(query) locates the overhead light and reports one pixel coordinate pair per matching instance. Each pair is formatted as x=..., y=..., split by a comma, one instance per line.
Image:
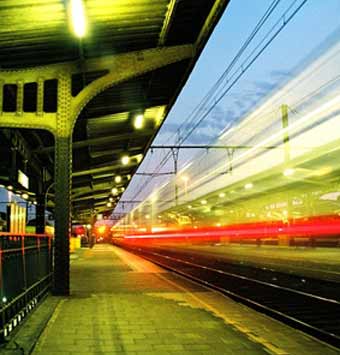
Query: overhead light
x=122, y=189
x=289, y=172
x=189, y=207
x=35, y=202
x=109, y=204
x=221, y=195
x=138, y=122
x=248, y=186
x=125, y=160
x=114, y=190
x=78, y=18
x=185, y=178
x=147, y=216
x=25, y=196
x=111, y=199
x=203, y=202
x=118, y=179
x=10, y=187
x=128, y=177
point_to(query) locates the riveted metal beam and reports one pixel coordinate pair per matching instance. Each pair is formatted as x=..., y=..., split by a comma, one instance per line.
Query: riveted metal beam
x=29, y=120
x=120, y=67
x=167, y=21
x=111, y=167
x=63, y=186
x=123, y=67
x=100, y=141
x=215, y=12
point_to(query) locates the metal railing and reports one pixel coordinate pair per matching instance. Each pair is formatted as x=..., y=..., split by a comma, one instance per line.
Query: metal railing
x=25, y=276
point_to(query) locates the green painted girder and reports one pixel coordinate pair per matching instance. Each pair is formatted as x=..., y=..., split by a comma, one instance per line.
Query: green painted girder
x=101, y=140
x=120, y=68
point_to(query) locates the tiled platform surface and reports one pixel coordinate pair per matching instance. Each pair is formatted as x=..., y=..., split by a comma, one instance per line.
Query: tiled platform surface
x=314, y=262
x=121, y=304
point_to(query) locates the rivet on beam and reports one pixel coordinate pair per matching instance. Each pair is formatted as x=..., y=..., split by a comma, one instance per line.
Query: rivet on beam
x=1, y=95
x=20, y=97
x=40, y=97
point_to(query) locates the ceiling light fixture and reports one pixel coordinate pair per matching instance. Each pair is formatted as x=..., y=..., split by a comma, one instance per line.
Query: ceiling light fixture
x=288, y=172
x=138, y=122
x=125, y=160
x=78, y=18
x=118, y=179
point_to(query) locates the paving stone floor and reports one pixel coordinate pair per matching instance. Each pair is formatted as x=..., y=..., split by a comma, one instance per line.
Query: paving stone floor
x=121, y=304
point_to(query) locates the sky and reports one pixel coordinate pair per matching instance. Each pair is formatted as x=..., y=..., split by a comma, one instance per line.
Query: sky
x=298, y=42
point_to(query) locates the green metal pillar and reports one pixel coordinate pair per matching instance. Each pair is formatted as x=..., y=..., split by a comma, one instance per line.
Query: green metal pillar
x=63, y=162
x=63, y=186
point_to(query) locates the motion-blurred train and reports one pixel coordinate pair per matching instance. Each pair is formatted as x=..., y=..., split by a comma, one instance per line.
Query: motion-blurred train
x=277, y=178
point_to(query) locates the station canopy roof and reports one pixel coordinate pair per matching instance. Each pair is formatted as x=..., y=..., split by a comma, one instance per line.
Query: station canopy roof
x=37, y=32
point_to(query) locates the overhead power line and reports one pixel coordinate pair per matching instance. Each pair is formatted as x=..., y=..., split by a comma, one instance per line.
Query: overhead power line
x=229, y=83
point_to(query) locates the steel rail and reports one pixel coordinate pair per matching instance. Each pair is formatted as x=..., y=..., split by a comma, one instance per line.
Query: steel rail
x=328, y=337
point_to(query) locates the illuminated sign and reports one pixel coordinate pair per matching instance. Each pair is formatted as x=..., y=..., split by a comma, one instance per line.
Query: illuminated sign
x=23, y=179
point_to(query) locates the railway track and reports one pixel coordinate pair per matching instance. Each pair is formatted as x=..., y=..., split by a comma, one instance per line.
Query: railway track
x=310, y=305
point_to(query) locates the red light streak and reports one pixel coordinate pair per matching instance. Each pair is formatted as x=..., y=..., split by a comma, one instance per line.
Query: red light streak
x=322, y=226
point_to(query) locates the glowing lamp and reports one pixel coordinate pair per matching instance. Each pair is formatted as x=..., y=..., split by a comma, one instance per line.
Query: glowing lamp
x=221, y=195
x=77, y=12
x=125, y=160
x=118, y=179
x=289, y=172
x=101, y=229
x=248, y=186
x=24, y=196
x=138, y=122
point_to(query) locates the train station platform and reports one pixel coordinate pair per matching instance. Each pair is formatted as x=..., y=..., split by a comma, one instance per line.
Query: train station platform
x=320, y=263
x=122, y=304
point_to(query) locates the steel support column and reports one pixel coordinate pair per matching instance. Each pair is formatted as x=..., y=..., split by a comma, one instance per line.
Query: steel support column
x=63, y=151
x=63, y=187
